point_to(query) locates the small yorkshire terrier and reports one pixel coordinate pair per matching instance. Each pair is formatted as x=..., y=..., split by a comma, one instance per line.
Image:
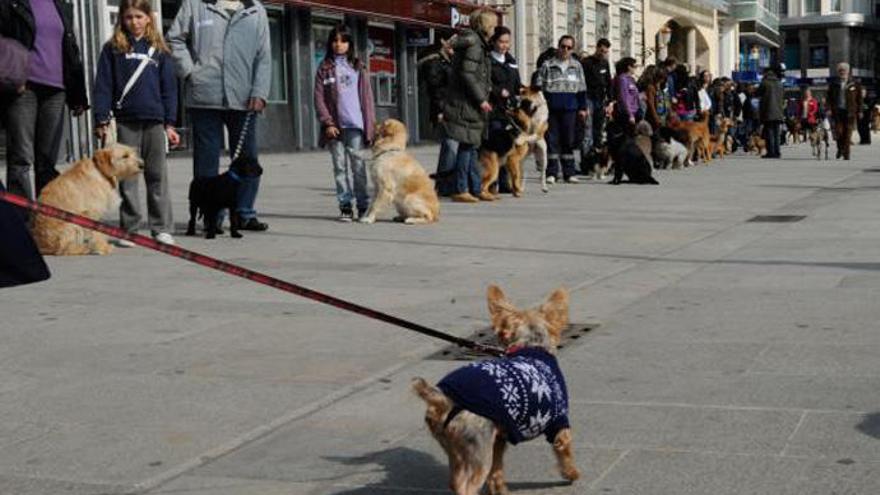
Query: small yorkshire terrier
x=477, y=409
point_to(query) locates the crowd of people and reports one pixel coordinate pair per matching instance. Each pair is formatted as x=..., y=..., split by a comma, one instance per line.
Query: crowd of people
x=221, y=50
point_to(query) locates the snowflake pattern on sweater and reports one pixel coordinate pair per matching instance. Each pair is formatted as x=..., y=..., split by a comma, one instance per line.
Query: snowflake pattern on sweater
x=523, y=392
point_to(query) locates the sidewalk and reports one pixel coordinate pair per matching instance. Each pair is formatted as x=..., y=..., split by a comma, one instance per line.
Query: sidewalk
x=732, y=357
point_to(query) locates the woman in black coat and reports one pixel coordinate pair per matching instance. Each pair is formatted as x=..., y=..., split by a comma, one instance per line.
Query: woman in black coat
x=20, y=262
x=503, y=97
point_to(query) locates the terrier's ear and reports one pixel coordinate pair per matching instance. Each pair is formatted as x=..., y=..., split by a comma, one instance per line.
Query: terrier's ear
x=555, y=311
x=499, y=305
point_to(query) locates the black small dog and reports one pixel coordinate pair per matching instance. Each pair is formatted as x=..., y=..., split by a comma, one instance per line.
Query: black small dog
x=628, y=157
x=209, y=195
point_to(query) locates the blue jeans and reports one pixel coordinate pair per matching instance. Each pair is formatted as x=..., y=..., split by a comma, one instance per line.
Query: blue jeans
x=207, y=129
x=445, y=178
x=467, y=174
x=347, y=165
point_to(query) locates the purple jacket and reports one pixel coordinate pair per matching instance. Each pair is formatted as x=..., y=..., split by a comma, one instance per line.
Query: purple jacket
x=627, y=94
x=327, y=96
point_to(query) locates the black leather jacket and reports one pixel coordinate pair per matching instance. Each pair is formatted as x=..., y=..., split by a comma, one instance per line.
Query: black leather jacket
x=17, y=22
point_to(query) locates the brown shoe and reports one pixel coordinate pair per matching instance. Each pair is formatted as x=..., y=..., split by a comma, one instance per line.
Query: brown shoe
x=486, y=196
x=464, y=198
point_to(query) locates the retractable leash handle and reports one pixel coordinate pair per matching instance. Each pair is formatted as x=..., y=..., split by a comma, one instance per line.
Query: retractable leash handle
x=242, y=272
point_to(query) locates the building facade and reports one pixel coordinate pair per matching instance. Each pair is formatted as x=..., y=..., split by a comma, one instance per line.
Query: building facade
x=760, y=39
x=700, y=33
x=819, y=34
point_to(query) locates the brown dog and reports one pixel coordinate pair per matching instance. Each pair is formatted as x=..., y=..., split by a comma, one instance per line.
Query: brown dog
x=697, y=135
x=757, y=144
x=526, y=384
x=719, y=142
x=89, y=188
x=399, y=179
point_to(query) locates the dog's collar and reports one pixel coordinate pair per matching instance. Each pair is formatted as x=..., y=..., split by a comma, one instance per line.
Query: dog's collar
x=513, y=349
x=389, y=150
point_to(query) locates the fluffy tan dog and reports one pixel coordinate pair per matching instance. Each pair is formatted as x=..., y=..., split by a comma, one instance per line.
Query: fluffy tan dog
x=399, y=179
x=89, y=188
x=475, y=443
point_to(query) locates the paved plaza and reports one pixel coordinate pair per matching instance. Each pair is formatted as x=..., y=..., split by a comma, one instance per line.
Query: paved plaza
x=730, y=356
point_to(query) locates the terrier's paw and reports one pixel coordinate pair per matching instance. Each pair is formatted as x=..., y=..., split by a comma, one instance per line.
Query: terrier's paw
x=571, y=473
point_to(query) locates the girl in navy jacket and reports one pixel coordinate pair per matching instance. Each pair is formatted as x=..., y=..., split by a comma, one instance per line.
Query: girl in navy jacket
x=145, y=115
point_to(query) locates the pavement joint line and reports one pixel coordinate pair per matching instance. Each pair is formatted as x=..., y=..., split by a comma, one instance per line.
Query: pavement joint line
x=607, y=470
x=758, y=358
x=678, y=450
x=794, y=432
x=267, y=428
x=683, y=405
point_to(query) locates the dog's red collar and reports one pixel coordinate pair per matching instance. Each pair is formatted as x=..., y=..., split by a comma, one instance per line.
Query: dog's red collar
x=514, y=349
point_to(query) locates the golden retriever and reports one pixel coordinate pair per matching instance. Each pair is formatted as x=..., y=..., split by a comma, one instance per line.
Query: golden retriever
x=523, y=393
x=89, y=188
x=399, y=179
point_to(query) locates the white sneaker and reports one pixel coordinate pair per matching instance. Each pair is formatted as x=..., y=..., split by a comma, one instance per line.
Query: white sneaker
x=165, y=238
x=551, y=180
x=573, y=180
x=124, y=243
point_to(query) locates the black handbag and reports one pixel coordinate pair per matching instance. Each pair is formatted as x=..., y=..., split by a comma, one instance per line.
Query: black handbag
x=14, y=65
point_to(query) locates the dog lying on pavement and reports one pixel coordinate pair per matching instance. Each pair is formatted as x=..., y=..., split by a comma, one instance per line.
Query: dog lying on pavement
x=476, y=410
x=209, y=195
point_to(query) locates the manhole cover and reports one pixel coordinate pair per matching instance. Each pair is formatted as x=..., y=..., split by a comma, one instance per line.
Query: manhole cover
x=777, y=218
x=570, y=337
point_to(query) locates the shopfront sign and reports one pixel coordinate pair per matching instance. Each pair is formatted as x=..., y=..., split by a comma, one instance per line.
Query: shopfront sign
x=419, y=37
x=380, y=48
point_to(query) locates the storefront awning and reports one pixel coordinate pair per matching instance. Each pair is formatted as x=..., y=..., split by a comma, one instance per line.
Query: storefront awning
x=430, y=13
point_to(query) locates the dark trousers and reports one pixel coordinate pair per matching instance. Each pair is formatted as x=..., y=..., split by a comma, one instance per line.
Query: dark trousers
x=207, y=128
x=561, y=143
x=843, y=129
x=771, y=135
x=34, y=127
x=865, y=128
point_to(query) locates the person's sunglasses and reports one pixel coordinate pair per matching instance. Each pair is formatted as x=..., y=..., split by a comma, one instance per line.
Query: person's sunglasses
x=566, y=47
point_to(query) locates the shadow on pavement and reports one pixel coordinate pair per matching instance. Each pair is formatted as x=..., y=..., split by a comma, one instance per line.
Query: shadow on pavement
x=870, y=425
x=405, y=469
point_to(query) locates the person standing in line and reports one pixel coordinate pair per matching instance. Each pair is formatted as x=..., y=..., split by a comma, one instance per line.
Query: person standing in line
x=844, y=106
x=436, y=70
x=145, y=115
x=704, y=82
x=561, y=78
x=344, y=104
x=503, y=97
x=627, y=110
x=656, y=100
x=34, y=115
x=222, y=52
x=597, y=76
x=467, y=108
x=771, y=111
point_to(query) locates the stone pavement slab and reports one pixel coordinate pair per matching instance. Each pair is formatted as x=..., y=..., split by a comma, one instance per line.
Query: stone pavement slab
x=732, y=357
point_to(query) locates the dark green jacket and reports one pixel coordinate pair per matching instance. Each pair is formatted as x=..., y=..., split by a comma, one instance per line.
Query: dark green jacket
x=772, y=100
x=469, y=86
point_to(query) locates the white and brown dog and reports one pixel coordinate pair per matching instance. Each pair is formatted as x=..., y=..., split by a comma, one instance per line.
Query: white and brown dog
x=89, y=188
x=476, y=410
x=399, y=179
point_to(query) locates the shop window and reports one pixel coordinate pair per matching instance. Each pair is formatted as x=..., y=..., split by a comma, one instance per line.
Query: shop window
x=603, y=21
x=625, y=32
x=818, y=56
x=382, y=64
x=278, y=90
x=792, y=56
x=783, y=8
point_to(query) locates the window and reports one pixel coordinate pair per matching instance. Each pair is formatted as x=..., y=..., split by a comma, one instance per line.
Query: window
x=812, y=7
x=783, y=8
x=625, y=32
x=576, y=22
x=382, y=65
x=835, y=5
x=818, y=56
x=603, y=21
x=278, y=90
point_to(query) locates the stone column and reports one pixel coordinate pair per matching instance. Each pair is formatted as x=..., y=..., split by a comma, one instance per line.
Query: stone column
x=692, y=48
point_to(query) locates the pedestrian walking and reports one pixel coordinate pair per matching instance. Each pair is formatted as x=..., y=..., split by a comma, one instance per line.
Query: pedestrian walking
x=222, y=52
x=344, y=104
x=844, y=106
x=33, y=114
x=561, y=78
x=135, y=85
x=771, y=111
x=466, y=110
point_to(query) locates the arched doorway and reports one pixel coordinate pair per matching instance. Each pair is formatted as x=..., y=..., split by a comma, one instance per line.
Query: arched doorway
x=683, y=40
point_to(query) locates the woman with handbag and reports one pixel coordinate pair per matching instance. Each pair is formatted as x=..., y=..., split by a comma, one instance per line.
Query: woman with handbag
x=136, y=87
x=34, y=112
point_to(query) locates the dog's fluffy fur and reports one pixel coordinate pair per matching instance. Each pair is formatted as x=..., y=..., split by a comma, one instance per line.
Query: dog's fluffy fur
x=671, y=154
x=694, y=135
x=757, y=144
x=539, y=122
x=507, y=148
x=399, y=179
x=209, y=195
x=629, y=159
x=719, y=142
x=89, y=188
x=475, y=445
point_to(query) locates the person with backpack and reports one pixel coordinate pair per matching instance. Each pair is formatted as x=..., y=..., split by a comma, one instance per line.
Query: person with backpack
x=135, y=85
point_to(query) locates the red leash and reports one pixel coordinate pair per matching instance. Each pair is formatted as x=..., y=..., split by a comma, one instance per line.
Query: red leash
x=242, y=272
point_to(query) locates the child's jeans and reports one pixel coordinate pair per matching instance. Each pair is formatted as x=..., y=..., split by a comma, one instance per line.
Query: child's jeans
x=347, y=165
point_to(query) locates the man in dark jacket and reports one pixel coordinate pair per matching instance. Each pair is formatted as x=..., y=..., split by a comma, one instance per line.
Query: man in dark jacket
x=20, y=261
x=436, y=72
x=771, y=110
x=844, y=104
x=34, y=116
x=467, y=107
x=597, y=73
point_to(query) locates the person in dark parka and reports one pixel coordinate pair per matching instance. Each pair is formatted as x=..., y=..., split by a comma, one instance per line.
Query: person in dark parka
x=771, y=110
x=20, y=261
